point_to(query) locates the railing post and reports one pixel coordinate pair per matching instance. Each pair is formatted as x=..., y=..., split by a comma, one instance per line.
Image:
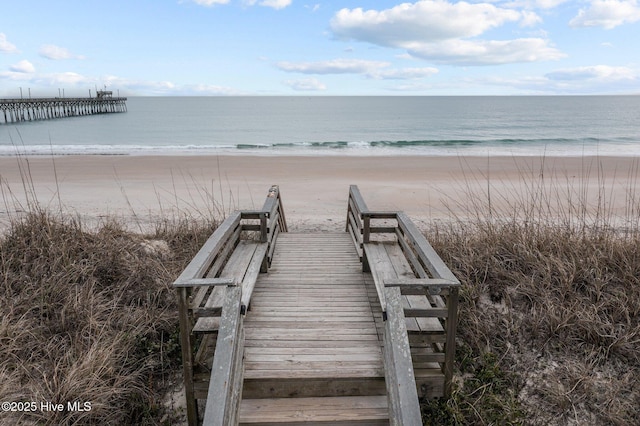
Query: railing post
x=225, y=385
x=187, y=356
x=346, y=226
x=366, y=228
x=263, y=227
x=282, y=219
x=450, y=344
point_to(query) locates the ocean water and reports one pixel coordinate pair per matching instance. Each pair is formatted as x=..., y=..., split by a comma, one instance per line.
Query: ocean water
x=482, y=126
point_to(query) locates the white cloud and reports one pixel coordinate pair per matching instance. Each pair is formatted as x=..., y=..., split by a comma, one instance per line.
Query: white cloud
x=403, y=73
x=424, y=21
x=206, y=90
x=372, y=69
x=607, y=14
x=334, y=66
x=530, y=19
x=54, y=52
x=411, y=87
x=597, y=79
x=276, y=4
x=210, y=2
x=79, y=83
x=24, y=67
x=534, y=4
x=5, y=46
x=305, y=84
x=65, y=78
x=596, y=72
x=549, y=4
x=481, y=52
x=568, y=81
x=14, y=76
x=444, y=32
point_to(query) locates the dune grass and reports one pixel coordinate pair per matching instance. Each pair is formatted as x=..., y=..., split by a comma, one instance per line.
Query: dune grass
x=89, y=316
x=549, y=330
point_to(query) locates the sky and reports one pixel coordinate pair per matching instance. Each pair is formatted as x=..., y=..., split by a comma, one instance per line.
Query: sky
x=295, y=47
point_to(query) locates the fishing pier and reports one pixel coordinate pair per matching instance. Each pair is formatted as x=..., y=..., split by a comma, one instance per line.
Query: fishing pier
x=32, y=109
x=293, y=328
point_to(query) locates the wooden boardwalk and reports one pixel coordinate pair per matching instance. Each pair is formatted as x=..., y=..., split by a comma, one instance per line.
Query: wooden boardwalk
x=310, y=336
x=348, y=328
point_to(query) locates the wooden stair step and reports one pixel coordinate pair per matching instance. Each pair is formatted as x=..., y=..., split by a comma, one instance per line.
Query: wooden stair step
x=352, y=410
x=310, y=331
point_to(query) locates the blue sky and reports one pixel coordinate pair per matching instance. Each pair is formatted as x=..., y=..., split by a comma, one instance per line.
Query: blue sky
x=293, y=47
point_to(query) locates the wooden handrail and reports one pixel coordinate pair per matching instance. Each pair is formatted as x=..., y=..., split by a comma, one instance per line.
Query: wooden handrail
x=225, y=385
x=426, y=254
x=404, y=405
x=355, y=225
x=204, y=271
x=201, y=262
x=432, y=278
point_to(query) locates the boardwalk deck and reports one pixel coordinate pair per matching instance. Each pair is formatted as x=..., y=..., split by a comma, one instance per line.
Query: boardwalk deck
x=311, y=335
x=339, y=328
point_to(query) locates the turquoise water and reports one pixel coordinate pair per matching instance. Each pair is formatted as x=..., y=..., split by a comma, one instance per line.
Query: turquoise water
x=562, y=125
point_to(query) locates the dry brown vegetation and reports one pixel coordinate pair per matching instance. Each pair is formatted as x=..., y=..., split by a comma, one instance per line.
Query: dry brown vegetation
x=89, y=316
x=549, y=330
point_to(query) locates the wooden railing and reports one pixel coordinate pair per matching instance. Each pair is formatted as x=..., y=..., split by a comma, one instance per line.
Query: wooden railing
x=210, y=278
x=431, y=279
x=225, y=385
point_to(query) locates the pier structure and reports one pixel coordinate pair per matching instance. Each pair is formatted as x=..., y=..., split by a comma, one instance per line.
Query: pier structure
x=31, y=109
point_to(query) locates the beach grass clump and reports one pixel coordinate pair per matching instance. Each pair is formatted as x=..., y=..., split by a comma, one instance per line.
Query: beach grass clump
x=549, y=316
x=89, y=316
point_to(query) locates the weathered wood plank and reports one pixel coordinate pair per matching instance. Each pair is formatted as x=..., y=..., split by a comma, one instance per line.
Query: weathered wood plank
x=271, y=343
x=427, y=254
x=252, y=272
x=224, y=253
x=416, y=320
x=206, y=282
x=381, y=268
x=354, y=194
x=226, y=378
x=379, y=214
x=352, y=372
x=426, y=312
x=202, y=260
x=282, y=387
x=355, y=410
x=404, y=406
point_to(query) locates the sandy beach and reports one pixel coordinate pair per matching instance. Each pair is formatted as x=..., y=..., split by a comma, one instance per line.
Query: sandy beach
x=314, y=189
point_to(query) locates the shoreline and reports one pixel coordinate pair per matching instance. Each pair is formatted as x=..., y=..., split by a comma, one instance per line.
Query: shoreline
x=314, y=188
